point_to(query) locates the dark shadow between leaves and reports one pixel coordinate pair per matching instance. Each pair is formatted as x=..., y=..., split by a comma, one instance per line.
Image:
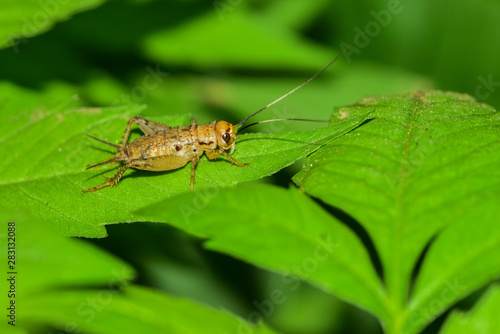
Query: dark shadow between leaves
x=463, y=305
x=418, y=265
x=360, y=231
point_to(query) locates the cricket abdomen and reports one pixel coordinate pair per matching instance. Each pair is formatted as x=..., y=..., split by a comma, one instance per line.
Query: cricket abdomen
x=184, y=142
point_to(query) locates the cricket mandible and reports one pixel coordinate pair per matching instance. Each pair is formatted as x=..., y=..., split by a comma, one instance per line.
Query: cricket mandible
x=164, y=148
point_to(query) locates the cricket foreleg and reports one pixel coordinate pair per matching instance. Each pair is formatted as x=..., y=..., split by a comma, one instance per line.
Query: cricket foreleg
x=145, y=125
x=212, y=154
x=111, y=181
x=233, y=160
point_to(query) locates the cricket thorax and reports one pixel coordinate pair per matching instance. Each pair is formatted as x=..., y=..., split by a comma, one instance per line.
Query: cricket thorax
x=205, y=135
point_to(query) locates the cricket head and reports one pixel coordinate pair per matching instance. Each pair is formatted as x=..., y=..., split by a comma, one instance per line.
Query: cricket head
x=225, y=135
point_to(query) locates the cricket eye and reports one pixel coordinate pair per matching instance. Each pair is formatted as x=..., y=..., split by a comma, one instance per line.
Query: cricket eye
x=226, y=137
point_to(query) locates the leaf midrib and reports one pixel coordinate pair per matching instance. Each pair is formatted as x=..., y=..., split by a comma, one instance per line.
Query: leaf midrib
x=395, y=286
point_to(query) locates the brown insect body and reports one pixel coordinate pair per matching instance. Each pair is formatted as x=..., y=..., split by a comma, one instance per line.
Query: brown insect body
x=164, y=148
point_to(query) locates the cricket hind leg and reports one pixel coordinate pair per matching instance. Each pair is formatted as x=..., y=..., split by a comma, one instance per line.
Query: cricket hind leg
x=145, y=125
x=111, y=181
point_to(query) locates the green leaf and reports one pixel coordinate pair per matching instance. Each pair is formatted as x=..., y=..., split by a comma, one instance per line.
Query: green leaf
x=297, y=15
x=482, y=319
x=248, y=34
x=73, y=286
x=25, y=19
x=43, y=171
x=133, y=310
x=449, y=272
x=52, y=261
x=47, y=152
x=46, y=262
x=272, y=227
x=423, y=163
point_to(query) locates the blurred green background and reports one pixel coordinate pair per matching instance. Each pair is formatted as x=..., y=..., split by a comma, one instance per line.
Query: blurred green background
x=225, y=59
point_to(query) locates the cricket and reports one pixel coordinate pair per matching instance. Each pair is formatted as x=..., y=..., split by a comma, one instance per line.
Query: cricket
x=164, y=148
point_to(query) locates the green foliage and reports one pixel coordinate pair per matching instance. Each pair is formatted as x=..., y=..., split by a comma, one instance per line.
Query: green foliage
x=407, y=166
x=27, y=19
x=398, y=195
x=48, y=179
x=393, y=207
x=433, y=167
x=483, y=318
x=86, y=289
x=279, y=237
x=135, y=309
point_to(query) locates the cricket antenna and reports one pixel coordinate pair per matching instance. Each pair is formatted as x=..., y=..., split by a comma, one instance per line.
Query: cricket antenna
x=282, y=119
x=293, y=90
x=105, y=142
